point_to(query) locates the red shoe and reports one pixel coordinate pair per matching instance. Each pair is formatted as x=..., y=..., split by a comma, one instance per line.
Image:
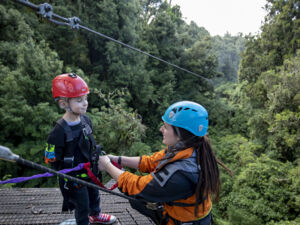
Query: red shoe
x=103, y=218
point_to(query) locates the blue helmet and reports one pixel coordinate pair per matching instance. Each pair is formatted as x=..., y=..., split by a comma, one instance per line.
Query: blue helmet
x=188, y=115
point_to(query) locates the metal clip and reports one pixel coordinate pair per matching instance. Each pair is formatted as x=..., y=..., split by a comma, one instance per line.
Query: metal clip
x=73, y=75
x=154, y=206
x=199, y=167
x=74, y=22
x=86, y=131
x=65, y=186
x=68, y=162
x=46, y=10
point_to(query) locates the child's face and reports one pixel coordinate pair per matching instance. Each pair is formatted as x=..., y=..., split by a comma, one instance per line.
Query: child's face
x=79, y=105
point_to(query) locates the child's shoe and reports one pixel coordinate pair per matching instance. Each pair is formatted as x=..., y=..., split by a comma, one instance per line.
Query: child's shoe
x=103, y=218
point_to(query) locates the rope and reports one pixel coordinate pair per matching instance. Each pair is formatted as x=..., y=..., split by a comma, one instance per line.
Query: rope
x=22, y=179
x=81, y=166
x=6, y=154
x=46, y=11
x=74, y=179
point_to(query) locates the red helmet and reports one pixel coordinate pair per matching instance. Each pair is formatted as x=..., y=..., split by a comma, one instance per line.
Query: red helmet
x=69, y=85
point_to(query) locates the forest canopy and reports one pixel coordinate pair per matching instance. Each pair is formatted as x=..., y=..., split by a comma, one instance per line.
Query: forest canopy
x=251, y=91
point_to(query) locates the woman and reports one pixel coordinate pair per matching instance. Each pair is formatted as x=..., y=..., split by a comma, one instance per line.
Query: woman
x=181, y=177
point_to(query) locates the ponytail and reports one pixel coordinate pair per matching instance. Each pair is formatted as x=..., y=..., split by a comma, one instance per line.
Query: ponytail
x=209, y=177
x=209, y=182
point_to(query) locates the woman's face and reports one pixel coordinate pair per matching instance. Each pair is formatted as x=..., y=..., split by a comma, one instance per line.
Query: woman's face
x=169, y=136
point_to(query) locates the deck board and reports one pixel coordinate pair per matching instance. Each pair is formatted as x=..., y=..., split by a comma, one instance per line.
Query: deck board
x=42, y=206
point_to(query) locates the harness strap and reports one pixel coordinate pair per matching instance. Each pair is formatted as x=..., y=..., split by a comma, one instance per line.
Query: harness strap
x=67, y=129
x=87, y=131
x=177, y=222
x=69, y=152
x=181, y=204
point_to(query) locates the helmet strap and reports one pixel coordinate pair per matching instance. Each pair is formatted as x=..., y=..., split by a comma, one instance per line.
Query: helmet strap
x=182, y=144
x=178, y=132
x=67, y=107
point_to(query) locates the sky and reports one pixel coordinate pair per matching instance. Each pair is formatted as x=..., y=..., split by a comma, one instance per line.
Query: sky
x=221, y=16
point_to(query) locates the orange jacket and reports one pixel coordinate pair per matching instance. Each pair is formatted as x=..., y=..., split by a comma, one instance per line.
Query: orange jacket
x=170, y=181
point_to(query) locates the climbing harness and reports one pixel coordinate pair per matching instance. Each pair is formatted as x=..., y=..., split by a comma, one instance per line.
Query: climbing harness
x=46, y=11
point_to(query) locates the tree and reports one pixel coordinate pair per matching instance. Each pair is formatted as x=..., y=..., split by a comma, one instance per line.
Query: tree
x=25, y=88
x=228, y=50
x=260, y=191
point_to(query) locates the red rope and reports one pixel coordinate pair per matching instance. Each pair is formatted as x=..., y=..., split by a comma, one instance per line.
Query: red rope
x=96, y=180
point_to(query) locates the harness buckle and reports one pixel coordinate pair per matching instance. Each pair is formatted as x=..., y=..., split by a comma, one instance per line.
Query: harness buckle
x=154, y=206
x=86, y=131
x=68, y=162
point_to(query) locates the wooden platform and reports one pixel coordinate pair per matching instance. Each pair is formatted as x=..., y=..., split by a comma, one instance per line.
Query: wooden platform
x=27, y=206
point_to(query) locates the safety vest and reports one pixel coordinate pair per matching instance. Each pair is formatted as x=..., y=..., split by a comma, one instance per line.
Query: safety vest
x=180, y=168
x=182, y=209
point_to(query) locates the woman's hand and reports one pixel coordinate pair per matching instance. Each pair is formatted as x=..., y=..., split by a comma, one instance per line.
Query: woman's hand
x=113, y=158
x=102, y=162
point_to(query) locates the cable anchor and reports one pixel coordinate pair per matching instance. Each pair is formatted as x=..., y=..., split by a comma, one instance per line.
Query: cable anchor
x=46, y=10
x=74, y=22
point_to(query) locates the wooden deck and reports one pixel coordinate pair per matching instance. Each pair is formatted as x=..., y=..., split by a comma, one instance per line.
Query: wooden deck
x=28, y=206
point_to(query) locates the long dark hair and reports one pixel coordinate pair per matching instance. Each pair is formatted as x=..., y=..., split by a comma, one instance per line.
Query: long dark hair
x=209, y=182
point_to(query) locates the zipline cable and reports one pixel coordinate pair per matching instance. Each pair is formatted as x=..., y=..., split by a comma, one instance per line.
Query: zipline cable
x=46, y=11
x=7, y=155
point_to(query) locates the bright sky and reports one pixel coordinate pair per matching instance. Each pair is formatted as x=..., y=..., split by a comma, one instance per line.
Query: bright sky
x=220, y=16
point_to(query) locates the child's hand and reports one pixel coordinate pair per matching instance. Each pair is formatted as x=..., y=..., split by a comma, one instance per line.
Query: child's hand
x=103, y=162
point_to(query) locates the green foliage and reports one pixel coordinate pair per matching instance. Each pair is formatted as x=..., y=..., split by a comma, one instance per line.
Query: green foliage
x=274, y=120
x=6, y=177
x=265, y=189
x=25, y=86
x=117, y=127
x=285, y=222
x=263, y=192
x=254, y=124
x=228, y=50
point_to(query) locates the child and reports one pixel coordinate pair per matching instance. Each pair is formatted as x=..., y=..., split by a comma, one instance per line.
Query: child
x=70, y=143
